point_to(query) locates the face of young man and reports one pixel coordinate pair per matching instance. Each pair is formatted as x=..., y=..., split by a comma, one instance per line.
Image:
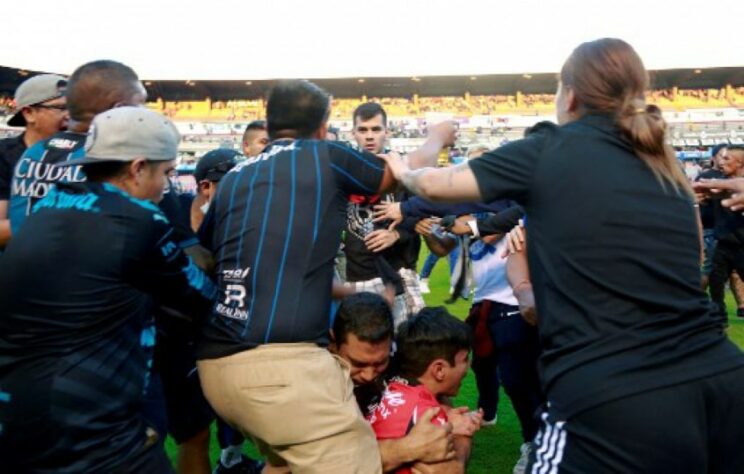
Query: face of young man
x=732, y=163
x=718, y=157
x=152, y=179
x=454, y=374
x=370, y=134
x=254, y=142
x=368, y=360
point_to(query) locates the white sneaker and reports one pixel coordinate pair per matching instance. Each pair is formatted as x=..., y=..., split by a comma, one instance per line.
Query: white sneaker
x=424, y=286
x=490, y=422
x=524, y=458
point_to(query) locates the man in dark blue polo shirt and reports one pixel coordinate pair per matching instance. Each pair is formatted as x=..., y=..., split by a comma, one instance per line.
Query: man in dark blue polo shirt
x=77, y=287
x=274, y=228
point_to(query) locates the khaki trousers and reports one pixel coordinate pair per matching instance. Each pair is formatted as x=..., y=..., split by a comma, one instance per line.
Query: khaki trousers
x=296, y=401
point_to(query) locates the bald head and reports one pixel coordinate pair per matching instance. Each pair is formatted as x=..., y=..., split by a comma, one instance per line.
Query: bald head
x=101, y=85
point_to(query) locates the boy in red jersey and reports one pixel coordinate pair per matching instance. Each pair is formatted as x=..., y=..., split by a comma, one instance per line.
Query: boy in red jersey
x=430, y=362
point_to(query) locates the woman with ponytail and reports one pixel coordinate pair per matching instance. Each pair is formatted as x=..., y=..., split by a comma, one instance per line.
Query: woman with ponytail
x=638, y=375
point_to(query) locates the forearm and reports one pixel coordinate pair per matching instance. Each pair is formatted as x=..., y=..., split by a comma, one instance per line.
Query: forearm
x=463, y=444
x=5, y=233
x=4, y=223
x=458, y=465
x=453, y=184
x=394, y=453
x=427, y=155
x=517, y=271
x=439, y=247
x=502, y=222
x=340, y=291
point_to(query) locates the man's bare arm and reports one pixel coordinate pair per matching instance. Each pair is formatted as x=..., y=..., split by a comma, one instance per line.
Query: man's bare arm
x=452, y=184
x=440, y=135
x=457, y=465
x=426, y=442
x=4, y=224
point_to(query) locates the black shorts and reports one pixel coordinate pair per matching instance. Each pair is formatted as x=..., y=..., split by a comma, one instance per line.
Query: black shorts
x=693, y=427
x=188, y=411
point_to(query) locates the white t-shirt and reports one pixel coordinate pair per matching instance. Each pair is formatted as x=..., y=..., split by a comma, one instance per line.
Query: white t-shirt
x=489, y=273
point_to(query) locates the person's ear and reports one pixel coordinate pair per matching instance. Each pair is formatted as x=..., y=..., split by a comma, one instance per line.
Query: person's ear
x=28, y=115
x=137, y=167
x=321, y=133
x=437, y=369
x=571, y=100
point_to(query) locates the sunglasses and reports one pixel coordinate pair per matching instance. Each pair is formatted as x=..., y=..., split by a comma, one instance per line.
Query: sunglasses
x=61, y=108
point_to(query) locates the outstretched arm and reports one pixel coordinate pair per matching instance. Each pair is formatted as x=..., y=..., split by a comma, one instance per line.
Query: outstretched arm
x=454, y=184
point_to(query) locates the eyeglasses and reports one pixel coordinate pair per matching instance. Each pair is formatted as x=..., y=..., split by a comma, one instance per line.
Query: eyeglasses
x=61, y=108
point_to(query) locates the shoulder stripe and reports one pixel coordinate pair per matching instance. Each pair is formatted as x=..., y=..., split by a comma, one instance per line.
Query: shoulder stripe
x=257, y=261
x=356, y=155
x=287, y=239
x=343, y=172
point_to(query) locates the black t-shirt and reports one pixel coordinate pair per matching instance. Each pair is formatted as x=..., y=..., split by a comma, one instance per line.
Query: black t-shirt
x=707, y=208
x=614, y=261
x=11, y=150
x=77, y=286
x=274, y=228
x=361, y=263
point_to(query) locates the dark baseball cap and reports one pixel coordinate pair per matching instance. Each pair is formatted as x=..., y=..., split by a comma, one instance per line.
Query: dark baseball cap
x=215, y=164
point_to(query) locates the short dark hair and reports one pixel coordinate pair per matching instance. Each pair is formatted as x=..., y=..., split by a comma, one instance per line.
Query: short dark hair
x=365, y=315
x=736, y=148
x=296, y=108
x=256, y=125
x=368, y=111
x=105, y=170
x=97, y=86
x=431, y=334
x=714, y=151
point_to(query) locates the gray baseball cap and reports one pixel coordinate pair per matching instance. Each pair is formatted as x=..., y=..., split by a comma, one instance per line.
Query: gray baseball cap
x=127, y=133
x=34, y=91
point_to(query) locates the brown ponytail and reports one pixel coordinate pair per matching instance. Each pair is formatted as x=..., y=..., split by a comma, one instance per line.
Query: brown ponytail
x=608, y=76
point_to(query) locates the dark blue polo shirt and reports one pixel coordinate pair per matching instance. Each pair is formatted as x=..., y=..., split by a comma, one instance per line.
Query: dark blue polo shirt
x=77, y=288
x=274, y=229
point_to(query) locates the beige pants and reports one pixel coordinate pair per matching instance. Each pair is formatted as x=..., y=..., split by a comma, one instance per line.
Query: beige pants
x=297, y=403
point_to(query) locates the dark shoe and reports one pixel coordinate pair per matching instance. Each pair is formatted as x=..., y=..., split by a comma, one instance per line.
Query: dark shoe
x=245, y=466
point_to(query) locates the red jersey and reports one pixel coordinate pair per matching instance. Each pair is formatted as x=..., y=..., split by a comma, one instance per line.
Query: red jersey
x=399, y=409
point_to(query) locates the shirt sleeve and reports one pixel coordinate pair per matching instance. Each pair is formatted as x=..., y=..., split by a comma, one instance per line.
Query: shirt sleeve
x=357, y=172
x=507, y=171
x=420, y=207
x=158, y=266
x=500, y=223
x=172, y=206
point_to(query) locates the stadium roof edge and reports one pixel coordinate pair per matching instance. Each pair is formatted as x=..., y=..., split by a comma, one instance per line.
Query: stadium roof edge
x=483, y=84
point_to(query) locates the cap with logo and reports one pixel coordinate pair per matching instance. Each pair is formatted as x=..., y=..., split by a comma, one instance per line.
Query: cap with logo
x=36, y=90
x=215, y=164
x=127, y=133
